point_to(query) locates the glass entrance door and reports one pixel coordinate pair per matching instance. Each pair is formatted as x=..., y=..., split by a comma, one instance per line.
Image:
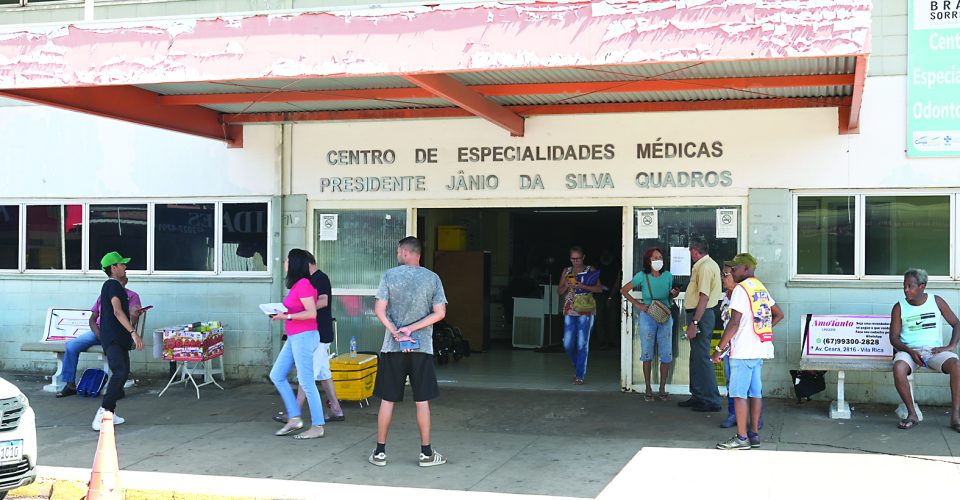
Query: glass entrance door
x=672, y=228
x=355, y=255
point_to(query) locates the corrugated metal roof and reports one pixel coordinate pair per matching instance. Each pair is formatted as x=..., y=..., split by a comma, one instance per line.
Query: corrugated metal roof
x=668, y=71
x=278, y=107
x=305, y=84
x=665, y=71
x=697, y=95
x=725, y=69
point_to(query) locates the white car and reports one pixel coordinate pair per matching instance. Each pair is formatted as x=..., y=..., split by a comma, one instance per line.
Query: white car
x=18, y=439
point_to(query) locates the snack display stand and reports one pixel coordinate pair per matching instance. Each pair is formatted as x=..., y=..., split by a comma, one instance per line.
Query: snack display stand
x=193, y=347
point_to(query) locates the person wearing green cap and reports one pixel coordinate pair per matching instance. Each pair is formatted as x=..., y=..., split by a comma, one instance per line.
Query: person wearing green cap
x=748, y=337
x=84, y=341
x=117, y=334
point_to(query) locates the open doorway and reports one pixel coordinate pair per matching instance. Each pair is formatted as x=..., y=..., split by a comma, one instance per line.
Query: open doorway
x=500, y=268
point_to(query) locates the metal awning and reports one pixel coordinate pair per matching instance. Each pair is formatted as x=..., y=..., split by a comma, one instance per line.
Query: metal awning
x=503, y=62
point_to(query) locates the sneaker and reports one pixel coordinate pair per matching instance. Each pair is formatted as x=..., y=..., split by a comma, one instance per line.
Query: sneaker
x=97, y=419
x=734, y=443
x=431, y=460
x=729, y=422
x=117, y=419
x=378, y=459
x=754, y=440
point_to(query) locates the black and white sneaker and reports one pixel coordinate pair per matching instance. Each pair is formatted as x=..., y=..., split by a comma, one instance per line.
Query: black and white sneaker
x=433, y=459
x=378, y=459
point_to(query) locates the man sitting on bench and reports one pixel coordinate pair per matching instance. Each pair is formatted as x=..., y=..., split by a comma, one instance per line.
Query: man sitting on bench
x=89, y=339
x=915, y=335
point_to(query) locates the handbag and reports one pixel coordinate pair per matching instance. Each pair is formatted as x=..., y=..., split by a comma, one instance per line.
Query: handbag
x=657, y=310
x=584, y=303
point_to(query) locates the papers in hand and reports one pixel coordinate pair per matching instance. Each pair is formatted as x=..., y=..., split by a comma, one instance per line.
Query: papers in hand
x=271, y=309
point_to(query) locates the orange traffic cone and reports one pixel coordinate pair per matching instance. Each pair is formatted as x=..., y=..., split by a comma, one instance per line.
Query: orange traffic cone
x=104, y=479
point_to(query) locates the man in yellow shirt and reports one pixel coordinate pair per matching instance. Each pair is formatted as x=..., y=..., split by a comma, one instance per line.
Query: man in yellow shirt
x=702, y=295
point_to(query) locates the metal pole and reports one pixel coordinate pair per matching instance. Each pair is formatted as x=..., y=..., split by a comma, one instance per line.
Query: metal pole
x=63, y=238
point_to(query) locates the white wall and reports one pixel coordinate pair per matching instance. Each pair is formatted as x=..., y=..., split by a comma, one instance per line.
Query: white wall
x=793, y=149
x=51, y=153
x=877, y=155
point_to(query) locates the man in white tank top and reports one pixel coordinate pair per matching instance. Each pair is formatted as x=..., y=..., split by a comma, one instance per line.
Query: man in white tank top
x=915, y=335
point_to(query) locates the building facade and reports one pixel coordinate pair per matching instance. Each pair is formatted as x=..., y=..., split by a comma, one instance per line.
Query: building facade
x=834, y=219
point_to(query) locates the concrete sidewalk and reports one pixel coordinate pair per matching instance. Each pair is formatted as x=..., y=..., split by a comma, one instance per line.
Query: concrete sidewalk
x=563, y=443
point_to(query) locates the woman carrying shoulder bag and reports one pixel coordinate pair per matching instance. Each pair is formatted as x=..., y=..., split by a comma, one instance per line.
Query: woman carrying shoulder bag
x=654, y=322
x=577, y=285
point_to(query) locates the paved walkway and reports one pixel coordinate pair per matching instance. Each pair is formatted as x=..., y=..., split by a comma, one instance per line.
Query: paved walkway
x=560, y=443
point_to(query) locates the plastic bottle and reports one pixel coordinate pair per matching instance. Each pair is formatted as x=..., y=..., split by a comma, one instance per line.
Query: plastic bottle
x=353, y=346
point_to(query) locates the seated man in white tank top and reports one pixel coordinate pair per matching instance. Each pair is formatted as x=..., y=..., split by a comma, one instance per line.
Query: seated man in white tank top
x=915, y=335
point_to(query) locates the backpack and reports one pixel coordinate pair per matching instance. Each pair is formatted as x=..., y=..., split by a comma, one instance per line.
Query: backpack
x=806, y=383
x=91, y=382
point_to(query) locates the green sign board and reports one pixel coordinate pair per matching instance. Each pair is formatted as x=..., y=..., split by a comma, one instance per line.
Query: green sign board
x=933, y=78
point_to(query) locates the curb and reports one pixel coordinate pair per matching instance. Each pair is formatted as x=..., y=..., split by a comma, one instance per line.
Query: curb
x=64, y=489
x=69, y=483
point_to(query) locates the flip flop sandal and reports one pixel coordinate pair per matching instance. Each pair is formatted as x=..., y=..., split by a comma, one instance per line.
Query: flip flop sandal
x=335, y=418
x=663, y=396
x=907, y=424
x=280, y=417
x=304, y=435
x=955, y=427
x=287, y=431
x=648, y=397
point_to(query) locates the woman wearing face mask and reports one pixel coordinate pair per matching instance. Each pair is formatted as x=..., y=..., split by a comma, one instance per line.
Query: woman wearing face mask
x=654, y=284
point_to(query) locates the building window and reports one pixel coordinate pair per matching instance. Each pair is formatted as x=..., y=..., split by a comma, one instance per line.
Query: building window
x=212, y=237
x=9, y=236
x=244, y=237
x=121, y=228
x=364, y=248
x=54, y=237
x=184, y=237
x=825, y=234
x=907, y=231
x=874, y=235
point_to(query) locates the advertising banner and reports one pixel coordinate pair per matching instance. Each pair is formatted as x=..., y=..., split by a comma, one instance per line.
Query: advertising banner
x=933, y=78
x=849, y=336
x=63, y=325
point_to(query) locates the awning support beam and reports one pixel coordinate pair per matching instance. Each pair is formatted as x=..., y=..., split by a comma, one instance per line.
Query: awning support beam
x=135, y=105
x=449, y=88
x=850, y=116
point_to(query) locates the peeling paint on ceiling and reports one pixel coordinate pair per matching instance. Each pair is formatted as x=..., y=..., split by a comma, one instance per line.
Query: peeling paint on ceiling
x=428, y=39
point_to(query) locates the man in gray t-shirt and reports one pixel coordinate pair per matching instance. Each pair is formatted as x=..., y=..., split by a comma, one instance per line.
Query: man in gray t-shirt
x=410, y=300
x=411, y=292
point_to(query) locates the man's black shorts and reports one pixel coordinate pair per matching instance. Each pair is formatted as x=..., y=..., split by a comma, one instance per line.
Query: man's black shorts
x=393, y=371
